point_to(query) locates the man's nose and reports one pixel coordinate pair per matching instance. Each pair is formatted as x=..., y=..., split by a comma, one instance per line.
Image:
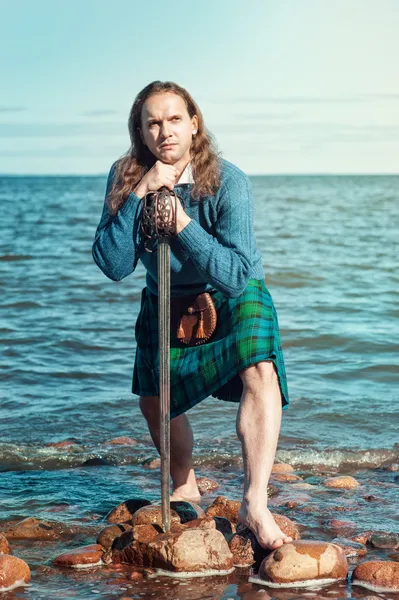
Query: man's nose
x=165, y=129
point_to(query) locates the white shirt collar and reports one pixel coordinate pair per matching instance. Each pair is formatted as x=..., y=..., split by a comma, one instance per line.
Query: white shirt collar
x=186, y=176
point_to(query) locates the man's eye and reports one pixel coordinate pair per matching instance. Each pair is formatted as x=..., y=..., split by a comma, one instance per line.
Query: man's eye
x=176, y=118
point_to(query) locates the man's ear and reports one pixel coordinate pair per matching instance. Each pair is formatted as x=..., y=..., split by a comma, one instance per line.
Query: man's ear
x=141, y=135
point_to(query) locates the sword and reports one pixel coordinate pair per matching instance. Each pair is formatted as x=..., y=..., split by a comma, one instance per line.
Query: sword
x=159, y=225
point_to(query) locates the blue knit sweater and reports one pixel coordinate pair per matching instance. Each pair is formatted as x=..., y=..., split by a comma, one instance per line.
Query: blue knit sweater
x=216, y=250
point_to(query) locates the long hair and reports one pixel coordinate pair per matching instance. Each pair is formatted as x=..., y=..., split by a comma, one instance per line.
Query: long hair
x=134, y=164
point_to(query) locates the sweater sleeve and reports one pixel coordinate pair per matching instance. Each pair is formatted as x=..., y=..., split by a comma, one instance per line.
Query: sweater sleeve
x=224, y=260
x=114, y=249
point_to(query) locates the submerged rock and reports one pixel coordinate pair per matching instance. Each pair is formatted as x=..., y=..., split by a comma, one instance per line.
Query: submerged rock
x=186, y=551
x=13, y=572
x=286, y=477
x=377, y=575
x=303, y=563
x=282, y=468
x=187, y=511
x=385, y=540
x=350, y=547
x=122, y=440
x=80, y=558
x=35, y=529
x=223, y=507
x=124, y=512
x=344, y=482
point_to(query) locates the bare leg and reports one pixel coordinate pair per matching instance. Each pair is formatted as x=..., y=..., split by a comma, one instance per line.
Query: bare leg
x=181, y=449
x=258, y=427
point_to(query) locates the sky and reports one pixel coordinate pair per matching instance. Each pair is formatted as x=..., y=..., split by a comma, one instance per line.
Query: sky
x=285, y=86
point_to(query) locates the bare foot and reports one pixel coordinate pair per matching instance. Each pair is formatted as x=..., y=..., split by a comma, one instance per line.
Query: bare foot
x=185, y=493
x=260, y=521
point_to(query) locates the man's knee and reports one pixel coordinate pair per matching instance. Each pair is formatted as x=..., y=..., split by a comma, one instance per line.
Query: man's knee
x=260, y=376
x=149, y=406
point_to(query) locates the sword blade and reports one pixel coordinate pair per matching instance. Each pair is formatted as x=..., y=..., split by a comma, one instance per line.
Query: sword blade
x=164, y=374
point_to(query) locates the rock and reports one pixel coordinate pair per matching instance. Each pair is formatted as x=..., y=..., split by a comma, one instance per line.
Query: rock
x=151, y=463
x=124, y=512
x=223, y=507
x=303, y=563
x=141, y=533
x=345, y=482
x=206, y=485
x=377, y=575
x=187, y=511
x=385, y=540
x=108, y=534
x=64, y=443
x=285, y=477
x=152, y=514
x=302, y=486
x=225, y=526
x=97, y=461
x=350, y=547
x=123, y=440
x=4, y=545
x=80, y=558
x=242, y=549
x=287, y=526
x=13, y=572
x=362, y=537
x=338, y=525
x=185, y=551
x=35, y=529
x=282, y=468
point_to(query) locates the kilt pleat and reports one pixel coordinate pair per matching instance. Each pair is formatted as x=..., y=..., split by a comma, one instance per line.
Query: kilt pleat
x=246, y=333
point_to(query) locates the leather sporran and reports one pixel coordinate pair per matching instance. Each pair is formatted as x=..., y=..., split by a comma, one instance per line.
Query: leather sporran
x=193, y=318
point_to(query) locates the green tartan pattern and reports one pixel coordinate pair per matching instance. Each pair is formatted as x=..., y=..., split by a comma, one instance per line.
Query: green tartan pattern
x=247, y=332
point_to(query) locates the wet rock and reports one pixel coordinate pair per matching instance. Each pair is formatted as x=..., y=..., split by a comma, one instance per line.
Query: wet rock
x=223, y=507
x=64, y=443
x=206, y=485
x=13, y=572
x=302, y=486
x=83, y=557
x=282, y=468
x=108, y=534
x=188, y=550
x=151, y=463
x=152, y=515
x=286, y=477
x=362, y=537
x=35, y=529
x=203, y=523
x=97, y=461
x=4, y=545
x=338, y=525
x=392, y=467
x=141, y=533
x=187, y=511
x=242, y=549
x=350, y=547
x=124, y=512
x=303, y=562
x=225, y=526
x=287, y=526
x=122, y=440
x=377, y=575
x=385, y=540
x=342, y=482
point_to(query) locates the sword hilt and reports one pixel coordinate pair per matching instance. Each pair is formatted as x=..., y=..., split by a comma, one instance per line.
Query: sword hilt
x=159, y=216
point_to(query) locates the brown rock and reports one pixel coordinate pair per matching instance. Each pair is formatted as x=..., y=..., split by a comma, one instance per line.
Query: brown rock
x=287, y=526
x=4, y=545
x=13, y=572
x=385, y=540
x=152, y=463
x=108, y=534
x=122, y=440
x=242, y=549
x=203, y=523
x=339, y=525
x=303, y=561
x=140, y=533
x=187, y=511
x=83, y=557
x=124, y=512
x=223, y=507
x=350, y=547
x=282, y=468
x=362, y=537
x=188, y=550
x=152, y=514
x=206, y=485
x=344, y=482
x=34, y=529
x=63, y=444
x=286, y=477
x=377, y=575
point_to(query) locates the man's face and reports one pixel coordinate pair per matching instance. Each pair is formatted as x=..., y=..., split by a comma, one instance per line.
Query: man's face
x=164, y=121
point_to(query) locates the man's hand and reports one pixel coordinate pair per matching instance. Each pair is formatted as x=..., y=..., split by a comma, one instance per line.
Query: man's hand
x=158, y=176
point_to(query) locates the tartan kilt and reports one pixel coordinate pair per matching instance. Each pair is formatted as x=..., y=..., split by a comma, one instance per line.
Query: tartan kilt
x=246, y=332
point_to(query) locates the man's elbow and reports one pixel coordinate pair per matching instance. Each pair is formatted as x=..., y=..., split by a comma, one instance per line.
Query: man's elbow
x=109, y=270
